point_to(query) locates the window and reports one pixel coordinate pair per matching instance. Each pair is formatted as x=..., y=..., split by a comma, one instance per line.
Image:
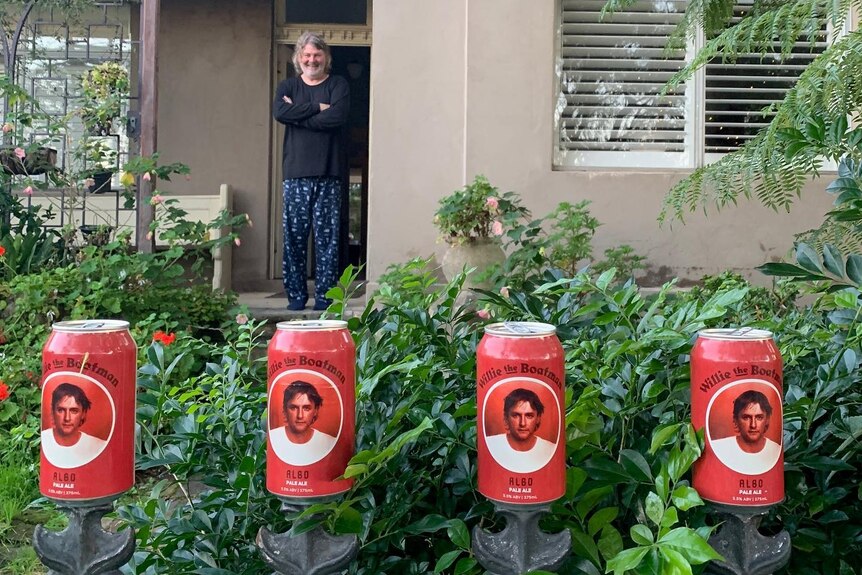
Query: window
x=610, y=111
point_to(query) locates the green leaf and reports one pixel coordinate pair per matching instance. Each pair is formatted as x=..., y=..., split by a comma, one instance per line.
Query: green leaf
x=446, y=560
x=691, y=545
x=662, y=434
x=349, y=520
x=854, y=269
x=428, y=524
x=674, y=562
x=807, y=257
x=584, y=546
x=636, y=465
x=654, y=508
x=464, y=565
x=601, y=518
x=685, y=497
x=833, y=259
x=626, y=560
x=458, y=534
x=641, y=534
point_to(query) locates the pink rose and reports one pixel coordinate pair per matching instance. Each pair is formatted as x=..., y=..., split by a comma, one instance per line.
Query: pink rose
x=492, y=203
x=20, y=153
x=237, y=242
x=497, y=228
x=7, y=127
x=241, y=319
x=89, y=182
x=28, y=191
x=149, y=236
x=484, y=314
x=157, y=199
x=146, y=177
x=504, y=291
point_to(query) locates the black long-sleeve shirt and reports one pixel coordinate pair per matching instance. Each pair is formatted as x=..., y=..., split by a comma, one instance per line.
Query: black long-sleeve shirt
x=314, y=140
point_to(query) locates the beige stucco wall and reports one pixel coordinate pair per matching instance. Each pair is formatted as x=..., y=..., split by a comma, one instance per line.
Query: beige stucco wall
x=214, y=111
x=463, y=87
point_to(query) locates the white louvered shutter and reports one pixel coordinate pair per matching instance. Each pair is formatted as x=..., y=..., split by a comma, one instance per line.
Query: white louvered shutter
x=609, y=112
x=738, y=91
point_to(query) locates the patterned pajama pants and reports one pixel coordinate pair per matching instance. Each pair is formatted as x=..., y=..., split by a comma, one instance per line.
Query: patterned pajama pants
x=311, y=203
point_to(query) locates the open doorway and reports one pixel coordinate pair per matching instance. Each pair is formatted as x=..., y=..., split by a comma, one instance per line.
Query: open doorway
x=353, y=64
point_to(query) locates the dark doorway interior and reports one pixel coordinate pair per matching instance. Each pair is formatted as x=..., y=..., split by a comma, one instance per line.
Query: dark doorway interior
x=353, y=63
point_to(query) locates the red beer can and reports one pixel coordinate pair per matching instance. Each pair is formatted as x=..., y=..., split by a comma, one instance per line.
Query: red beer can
x=520, y=394
x=88, y=410
x=311, y=408
x=736, y=393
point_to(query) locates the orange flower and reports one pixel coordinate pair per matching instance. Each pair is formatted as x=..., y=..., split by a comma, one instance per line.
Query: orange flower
x=164, y=338
x=4, y=391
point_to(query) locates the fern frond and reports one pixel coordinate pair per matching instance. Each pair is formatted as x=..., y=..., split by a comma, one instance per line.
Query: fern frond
x=827, y=92
x=759, y=33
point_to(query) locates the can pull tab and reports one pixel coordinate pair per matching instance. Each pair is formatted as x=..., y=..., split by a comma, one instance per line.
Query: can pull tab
x=741, y=331
x=93, y=325
x=517, y=327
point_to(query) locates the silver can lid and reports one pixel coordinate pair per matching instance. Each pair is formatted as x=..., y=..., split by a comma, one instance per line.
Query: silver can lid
x=91, y=325
x=735, y=334
x=520, y=329
x=311, y=325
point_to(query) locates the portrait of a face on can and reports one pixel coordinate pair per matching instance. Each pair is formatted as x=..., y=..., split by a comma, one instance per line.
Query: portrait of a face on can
x=520, y=394
x=311, y=403
x=736, y=389
x=88, y=410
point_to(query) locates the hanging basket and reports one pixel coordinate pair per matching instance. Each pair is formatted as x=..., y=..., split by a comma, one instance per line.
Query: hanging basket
x=41, y=161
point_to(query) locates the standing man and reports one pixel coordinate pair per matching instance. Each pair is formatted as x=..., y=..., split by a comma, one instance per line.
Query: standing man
x=314, y=109
x=64, y=444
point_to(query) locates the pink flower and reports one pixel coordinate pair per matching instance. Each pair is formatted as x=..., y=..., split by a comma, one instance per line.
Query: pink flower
x=237, y=242
x=7, y=127
x=157, y=199
x=484, y=314
x=149, y=235
x=492, y=203
x=28, y=191
x=89, y=182
x=248, y=221
x=497, y=228
x=241, y=319
x=504, y=291
x=146, y=177
x=20, y=153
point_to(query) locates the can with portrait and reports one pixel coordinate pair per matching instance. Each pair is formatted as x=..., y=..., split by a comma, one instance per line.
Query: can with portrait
x=736, y=395
x=520, y=393
x=88, y=410
x=311, y=408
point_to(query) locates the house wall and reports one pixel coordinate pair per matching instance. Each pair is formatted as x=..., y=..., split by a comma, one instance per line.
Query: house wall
x=465, y=87
x=214, y=111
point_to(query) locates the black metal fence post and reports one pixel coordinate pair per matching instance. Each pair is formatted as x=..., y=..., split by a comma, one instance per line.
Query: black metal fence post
x=84, y=547
x=521, y=546
x=745, y=550
x=314, y=552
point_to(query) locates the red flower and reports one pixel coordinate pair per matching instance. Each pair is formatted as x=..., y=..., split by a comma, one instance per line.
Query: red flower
x=4, y=391
x=164, y=338
x=2, y=251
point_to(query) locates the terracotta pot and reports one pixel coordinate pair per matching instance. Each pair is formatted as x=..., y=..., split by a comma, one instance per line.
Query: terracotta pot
x=480, y=253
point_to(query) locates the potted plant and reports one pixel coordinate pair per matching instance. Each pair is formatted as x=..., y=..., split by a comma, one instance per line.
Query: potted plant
x=103, y=91
x=472, y=221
